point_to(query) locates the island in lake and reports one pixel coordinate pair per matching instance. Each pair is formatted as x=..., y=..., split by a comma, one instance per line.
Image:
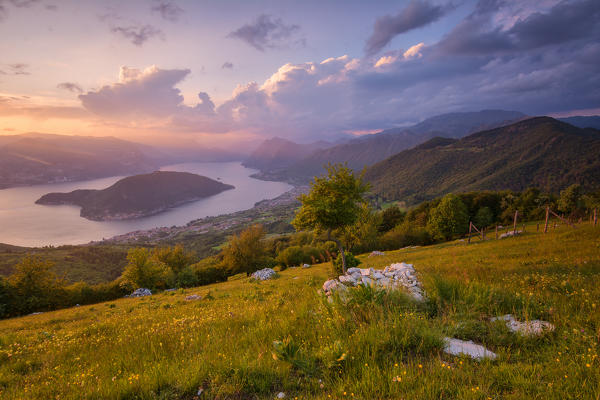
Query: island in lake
x=138, y=196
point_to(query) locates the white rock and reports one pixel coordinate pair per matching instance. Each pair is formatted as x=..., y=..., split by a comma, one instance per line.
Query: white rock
x=347, y=279
x=365, y=271
x=330, y=284
x=353, y=270
x=281, y=395
x=264, y=274
x=305, y=265
x=376, y=253
x=193, y=297
x=527, y=328
x=140, y=293
x=367, y=281
x=457, y=347
x=378, y=275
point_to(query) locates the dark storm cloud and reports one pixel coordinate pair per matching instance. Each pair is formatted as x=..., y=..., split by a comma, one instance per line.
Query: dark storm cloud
x=417, y=13
x=137, y=34
x=566, y=21
x=266, y=32
x=168, y=10
x=70, y=86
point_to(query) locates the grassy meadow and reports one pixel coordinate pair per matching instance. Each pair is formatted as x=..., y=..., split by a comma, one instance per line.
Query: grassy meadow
x=248, y=340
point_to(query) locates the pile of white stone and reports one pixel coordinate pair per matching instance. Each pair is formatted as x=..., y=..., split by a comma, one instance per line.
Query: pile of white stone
x=394, y=276
x=527, y=328
x=376, y=253
x=264, y=274
x=141, y=292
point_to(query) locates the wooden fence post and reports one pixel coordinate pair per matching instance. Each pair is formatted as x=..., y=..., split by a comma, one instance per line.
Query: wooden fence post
x=515, y=222
x=547, y=217
x=595, y=217
x=523, y=228
x=470, y=224
x=537, y=229
x=496, y=232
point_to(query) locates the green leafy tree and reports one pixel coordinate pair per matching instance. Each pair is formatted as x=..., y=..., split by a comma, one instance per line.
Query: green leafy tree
x=146, y=271
x=484, y=217
x=390, y=217
x=35, y=285
x=449, y=218
x=174, y=257
x=333, y=204
x=247, y=251
x=570, y=200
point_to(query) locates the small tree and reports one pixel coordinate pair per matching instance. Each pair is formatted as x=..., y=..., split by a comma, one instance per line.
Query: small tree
x=246, y=252
x=35, y=285
x=175, y=257
x=146, y=271
x=449, y=218
x=333, y=203
x=570, y=200
x=484, y=217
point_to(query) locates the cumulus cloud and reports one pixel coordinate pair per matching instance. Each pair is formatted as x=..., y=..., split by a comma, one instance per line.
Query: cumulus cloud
x=168, y=10
x=267, y=32
x=137, y=34
x=497, y=63
x=70, y=86
x=416, y=14
x=227, y=65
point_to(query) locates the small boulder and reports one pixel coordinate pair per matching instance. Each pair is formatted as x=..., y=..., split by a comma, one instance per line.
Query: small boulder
x=281, y=395
x=527, y=328
x=264, y=274
x=457, y=347
x=193, y=297
x=141, y=292
x=376, y=253
x=305, y=265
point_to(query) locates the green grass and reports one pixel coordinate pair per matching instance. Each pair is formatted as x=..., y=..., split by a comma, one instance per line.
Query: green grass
x=379, y=345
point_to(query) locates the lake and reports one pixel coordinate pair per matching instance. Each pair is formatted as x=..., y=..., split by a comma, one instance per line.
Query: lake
x=24, y=223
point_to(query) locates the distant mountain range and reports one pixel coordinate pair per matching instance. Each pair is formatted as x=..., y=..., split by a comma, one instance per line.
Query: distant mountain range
x=583, y=122
x=369, y=149
x=279, y=153
x=541, y=152
x=138, y=196
x=36, y=158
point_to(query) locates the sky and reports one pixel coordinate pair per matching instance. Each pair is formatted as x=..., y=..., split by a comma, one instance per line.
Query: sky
x=235, y=71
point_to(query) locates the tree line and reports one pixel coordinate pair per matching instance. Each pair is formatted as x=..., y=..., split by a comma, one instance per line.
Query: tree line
x=334, y=222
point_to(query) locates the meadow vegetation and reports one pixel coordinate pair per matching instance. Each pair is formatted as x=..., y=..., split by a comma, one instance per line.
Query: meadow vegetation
x=247, y=339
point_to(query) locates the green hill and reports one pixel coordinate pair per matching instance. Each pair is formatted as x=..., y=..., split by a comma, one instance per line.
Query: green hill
x=540, y=152
x=370, y=149
x=380, y=346
x=138, y=196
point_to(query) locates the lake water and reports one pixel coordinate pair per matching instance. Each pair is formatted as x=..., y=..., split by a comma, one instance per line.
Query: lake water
x=24, y=223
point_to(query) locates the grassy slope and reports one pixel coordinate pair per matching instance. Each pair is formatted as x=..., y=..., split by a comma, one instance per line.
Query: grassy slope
x=165, y=347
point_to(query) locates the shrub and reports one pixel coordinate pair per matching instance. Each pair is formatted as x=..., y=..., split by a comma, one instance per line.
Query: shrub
x=351, y=262
x=296, y=255
x=246, y=252
x=390, y=217
x=146, y=271
x=484, y=217
x=406, y=234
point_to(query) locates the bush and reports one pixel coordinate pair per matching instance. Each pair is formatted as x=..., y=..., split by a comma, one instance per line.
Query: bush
x=484, y=217
x=390, y=217
x=404, y=235
x=351, y=262
x=246, y=252
x=146, y=271
x=296, y=255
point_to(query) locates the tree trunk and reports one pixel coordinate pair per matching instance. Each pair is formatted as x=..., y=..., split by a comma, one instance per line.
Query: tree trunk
x=340, y=248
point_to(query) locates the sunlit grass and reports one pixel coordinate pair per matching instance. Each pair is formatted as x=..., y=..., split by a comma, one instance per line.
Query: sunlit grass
x=377, y=346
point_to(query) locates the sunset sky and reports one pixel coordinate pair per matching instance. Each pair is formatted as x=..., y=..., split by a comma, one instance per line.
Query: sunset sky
x=228, y=71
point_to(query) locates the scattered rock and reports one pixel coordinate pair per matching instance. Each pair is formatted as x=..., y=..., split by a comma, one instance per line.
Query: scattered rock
x=281, y=395
x=527, y=328
x=264, y=274
x=306, y=266
x=457, y=347
x=376, y=253
x=199, y=393
x=170, y=290
x=37, y=313
x=193, y=297
x=510, y=234
x=393, y=276
x=141, y=292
